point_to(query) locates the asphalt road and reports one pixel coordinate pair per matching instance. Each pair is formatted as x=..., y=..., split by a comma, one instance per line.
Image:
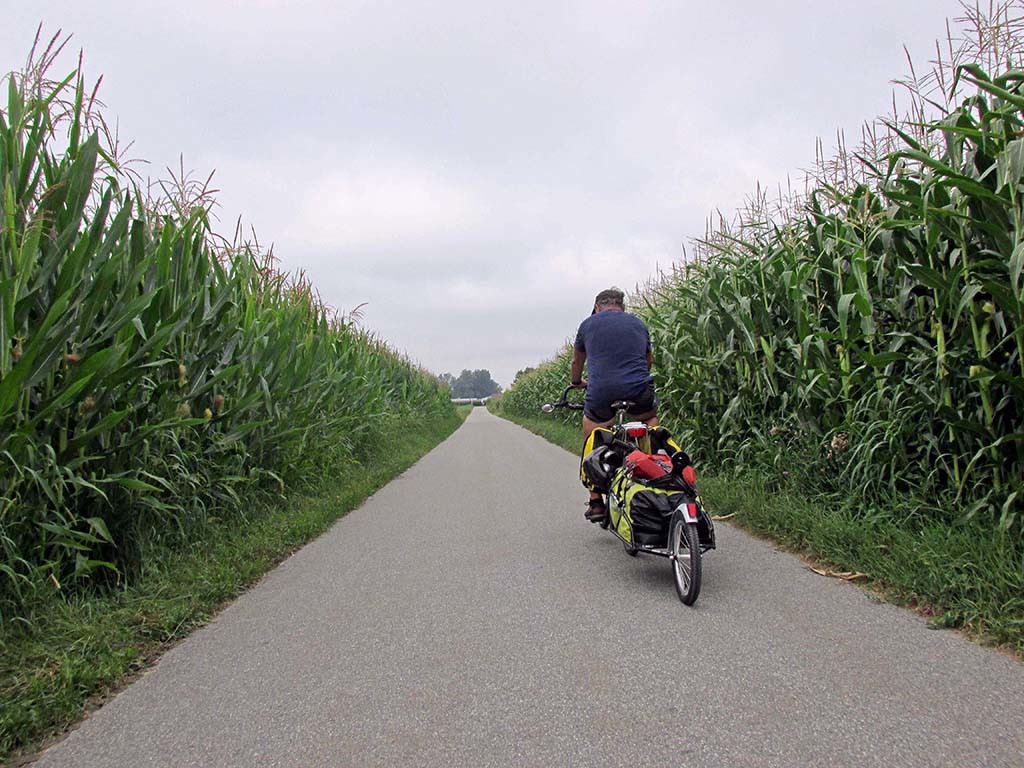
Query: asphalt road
x=467, y=615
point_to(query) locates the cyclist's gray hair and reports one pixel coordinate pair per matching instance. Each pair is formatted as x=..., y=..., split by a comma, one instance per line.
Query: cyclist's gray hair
x=611, y=297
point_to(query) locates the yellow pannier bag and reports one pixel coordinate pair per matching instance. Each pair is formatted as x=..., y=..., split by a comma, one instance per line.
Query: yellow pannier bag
x=596, y=481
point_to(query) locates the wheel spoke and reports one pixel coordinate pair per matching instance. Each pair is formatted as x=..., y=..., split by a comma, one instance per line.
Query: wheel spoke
x=682, y=558
x=685, y=549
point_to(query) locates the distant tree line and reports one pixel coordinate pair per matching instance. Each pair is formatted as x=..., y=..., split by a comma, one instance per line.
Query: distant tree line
x=471, y=383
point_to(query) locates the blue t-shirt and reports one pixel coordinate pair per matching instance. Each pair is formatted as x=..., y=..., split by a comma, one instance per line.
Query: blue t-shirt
x=616, y=344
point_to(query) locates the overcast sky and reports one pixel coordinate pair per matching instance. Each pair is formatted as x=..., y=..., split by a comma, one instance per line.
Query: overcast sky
x=474, y=171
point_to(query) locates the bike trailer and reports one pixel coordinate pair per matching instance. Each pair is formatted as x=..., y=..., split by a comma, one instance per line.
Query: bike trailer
x=641, y=512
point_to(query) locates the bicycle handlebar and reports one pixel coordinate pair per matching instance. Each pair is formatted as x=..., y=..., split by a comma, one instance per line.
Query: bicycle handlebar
x=563, y=403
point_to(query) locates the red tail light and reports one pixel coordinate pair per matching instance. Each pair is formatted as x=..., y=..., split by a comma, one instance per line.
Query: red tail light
x=636, y=431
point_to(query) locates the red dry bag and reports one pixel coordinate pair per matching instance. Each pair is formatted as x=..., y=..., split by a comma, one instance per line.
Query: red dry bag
x=648, y=466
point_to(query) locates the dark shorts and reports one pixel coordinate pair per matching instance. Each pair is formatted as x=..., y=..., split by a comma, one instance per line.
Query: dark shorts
x=600, y=411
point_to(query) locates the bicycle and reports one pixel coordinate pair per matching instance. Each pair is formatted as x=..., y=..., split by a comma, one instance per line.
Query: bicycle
x=690, y=531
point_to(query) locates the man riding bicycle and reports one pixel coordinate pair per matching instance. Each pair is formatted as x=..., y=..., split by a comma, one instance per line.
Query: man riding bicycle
x=616, y=347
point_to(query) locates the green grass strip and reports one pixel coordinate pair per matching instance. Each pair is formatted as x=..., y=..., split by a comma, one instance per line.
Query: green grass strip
x=80, y=649
x=967, y=576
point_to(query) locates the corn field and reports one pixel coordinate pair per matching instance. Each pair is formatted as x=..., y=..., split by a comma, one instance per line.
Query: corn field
x=874, y=343
x=544, y=384
x=865, y=341
x=152, y=378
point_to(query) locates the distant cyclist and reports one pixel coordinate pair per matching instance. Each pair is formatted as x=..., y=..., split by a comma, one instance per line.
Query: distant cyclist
x=616, y=347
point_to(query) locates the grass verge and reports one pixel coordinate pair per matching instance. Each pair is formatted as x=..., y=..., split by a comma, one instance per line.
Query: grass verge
x=78, y=650
x=963, y=576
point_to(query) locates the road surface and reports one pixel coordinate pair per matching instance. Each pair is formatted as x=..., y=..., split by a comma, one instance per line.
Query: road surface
x=467, y=615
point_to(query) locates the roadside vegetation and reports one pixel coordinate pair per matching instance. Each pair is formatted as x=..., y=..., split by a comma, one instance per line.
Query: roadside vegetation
x=845, y=364
x=175, y=413
x=80, y=648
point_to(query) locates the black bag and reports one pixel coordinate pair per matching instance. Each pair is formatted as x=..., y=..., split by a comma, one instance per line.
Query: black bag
x=642, y=513
x=599, y=461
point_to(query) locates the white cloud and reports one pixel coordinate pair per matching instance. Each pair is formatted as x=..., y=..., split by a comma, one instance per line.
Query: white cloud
x=382, y=207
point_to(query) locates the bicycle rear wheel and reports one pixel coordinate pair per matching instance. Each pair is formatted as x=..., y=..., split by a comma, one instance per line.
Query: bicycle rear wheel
x=684, y=549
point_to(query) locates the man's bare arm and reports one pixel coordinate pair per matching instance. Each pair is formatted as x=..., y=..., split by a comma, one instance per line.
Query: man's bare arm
x=650, y=360
x=579, y=357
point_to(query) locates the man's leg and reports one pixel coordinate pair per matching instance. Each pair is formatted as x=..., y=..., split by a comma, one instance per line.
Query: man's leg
x=589, y=426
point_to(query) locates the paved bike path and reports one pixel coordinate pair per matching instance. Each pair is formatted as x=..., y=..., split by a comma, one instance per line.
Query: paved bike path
x=467, y=615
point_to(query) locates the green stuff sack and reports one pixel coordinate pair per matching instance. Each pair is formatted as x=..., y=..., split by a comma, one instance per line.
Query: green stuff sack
x=616, y=504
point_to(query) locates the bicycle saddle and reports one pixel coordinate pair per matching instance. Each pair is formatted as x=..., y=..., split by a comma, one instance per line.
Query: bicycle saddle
x=623, y=405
